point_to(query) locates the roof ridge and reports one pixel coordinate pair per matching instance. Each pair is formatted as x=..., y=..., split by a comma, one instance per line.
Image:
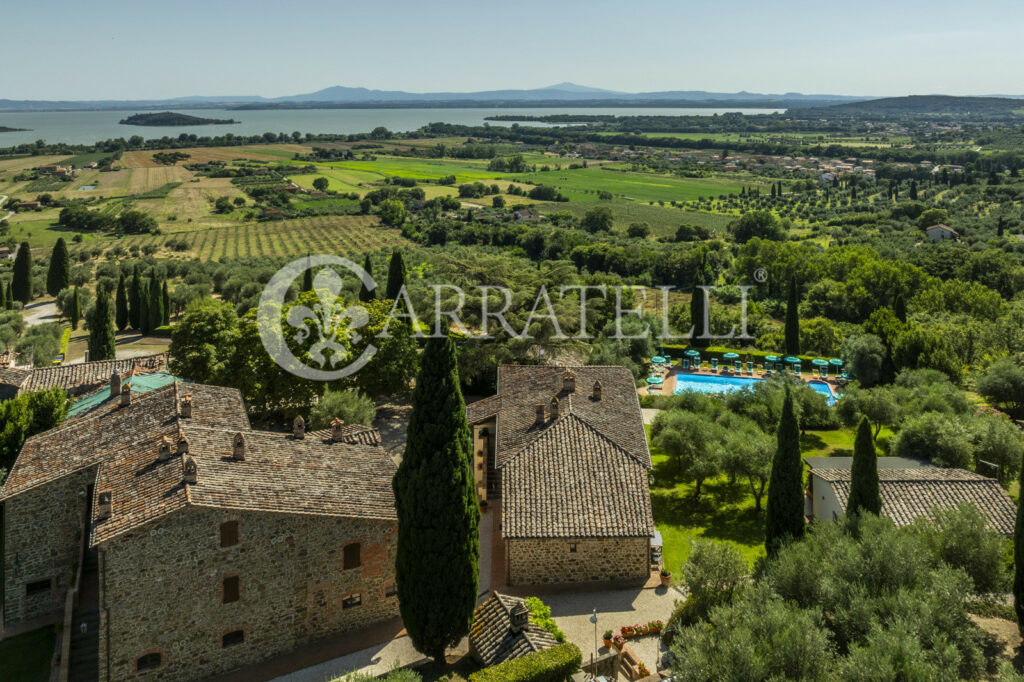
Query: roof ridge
x=564, y=418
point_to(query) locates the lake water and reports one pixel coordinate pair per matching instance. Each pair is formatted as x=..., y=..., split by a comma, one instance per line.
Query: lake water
x=86, y=127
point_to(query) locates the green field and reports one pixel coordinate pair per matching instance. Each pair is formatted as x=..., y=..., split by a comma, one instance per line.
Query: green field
x=582, y=184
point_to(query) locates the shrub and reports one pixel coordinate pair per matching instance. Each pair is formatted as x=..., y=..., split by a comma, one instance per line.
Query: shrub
x=540, y=615
x=550, y=665
x=352, y=407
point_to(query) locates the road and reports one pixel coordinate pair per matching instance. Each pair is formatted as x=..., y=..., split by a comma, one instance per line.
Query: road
x=3, y=198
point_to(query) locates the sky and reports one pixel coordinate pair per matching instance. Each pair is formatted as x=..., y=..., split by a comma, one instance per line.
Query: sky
x=114, y=49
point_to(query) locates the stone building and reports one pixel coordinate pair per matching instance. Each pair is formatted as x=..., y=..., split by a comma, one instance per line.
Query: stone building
x=210, y=545
x=564, y=452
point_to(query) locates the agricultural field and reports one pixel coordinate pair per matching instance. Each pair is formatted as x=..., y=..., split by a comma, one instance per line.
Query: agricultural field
x=583, y=184
x=663, y=220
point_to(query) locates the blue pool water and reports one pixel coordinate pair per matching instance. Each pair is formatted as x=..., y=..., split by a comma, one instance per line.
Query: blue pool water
x=707, y=383
x=86, y=187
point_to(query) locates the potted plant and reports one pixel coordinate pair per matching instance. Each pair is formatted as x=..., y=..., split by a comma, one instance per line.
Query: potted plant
x=656, y=626
x=642, y=671
x=619, y=641
x=666, y=577
x=607, y=639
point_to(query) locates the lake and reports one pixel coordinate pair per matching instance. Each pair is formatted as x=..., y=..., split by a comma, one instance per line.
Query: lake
x=87, y=127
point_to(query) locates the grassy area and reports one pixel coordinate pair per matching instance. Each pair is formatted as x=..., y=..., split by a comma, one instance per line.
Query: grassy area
x=26, y=658
x=583, y=184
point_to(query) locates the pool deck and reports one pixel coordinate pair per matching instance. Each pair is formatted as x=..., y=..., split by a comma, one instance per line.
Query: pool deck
x=669, y=374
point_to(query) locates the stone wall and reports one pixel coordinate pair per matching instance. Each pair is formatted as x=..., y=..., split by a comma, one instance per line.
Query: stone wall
x=161, y=589
x=535, y=562
x=43, y=530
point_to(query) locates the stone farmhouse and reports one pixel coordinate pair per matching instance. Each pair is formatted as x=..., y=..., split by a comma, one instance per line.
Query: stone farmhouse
x=563, y=451
x=190, y=544
x=76, y=378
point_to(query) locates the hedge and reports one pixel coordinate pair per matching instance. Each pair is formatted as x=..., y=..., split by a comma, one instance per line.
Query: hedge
x=550, y=665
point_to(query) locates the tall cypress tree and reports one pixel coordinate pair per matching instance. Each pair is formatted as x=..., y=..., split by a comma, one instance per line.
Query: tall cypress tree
x=75, y=314
x=3, y=296
x=697, y=310
x=135, y=300
x=58, y=277
x=121, y=316
x=367, y=295
x=396, y=275
x=21, y=285
x=9, y=302
x=307, y=277
x=784, y=512
x=438, y=515
x=101, y=328
x=793, y=319
x=156, y=303
x=864, y=493
x=144, y=318
x=1018, y=561
x=165, y=303
x=899, y=307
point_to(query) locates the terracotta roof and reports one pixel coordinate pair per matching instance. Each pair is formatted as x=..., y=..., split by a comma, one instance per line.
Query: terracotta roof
x=491, y=636
x=572, y=481
x=355, y=434
x=82, y=375
x=481, y=410
x=908, y=494
x=13, y=376
x=616, y=415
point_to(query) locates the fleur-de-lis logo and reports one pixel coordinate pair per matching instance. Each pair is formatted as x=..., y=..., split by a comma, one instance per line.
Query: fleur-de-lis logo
x=328, y=322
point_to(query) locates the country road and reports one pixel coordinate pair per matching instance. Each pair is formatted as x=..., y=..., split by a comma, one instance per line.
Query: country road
x=3, y=198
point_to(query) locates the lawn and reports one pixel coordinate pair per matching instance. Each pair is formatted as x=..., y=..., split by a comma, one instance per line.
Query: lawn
x=26, y=658
x=583, y=184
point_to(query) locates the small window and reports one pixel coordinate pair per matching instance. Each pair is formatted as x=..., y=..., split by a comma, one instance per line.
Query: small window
x=391, y=590
x=232, y=638
x=232, y=589
x=148, y=662
x=572, y=547
x=38, y=587
x=352, y=601
x=350, y=557
x=229, y=534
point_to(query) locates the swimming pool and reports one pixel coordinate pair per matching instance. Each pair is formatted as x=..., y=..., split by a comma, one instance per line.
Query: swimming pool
x=713, y=383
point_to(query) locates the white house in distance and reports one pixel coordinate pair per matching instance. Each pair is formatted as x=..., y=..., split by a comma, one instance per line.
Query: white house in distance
x=909, y=489
x=940, y=232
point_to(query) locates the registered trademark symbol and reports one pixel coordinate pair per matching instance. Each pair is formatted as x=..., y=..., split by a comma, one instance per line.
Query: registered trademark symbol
x=760, y=275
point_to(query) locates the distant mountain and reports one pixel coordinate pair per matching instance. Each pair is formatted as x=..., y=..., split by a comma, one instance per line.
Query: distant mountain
x=932, y=104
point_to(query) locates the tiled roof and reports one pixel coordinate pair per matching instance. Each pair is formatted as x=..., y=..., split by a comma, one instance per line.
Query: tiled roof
x=74, y=377
x=480, y=410
x=616, y=415
x=572, y=481
x=911, y=493
x=13, y=376
x=87, y=440
x=355, y=434
x=491, y=636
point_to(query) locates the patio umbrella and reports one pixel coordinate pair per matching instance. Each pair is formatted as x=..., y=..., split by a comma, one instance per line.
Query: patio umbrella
x=730, y=356
x=819, y=362
x=835, y=362
x=657, y=359
x=692, y=353
x=655, y=380
x=771, y=358
x=793, y=360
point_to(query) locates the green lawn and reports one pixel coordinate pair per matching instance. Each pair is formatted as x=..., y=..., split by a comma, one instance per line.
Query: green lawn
x=26, y=658
x=631, y=185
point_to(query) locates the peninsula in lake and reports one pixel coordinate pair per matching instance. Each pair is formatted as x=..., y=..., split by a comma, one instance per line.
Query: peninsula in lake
x=169, y=118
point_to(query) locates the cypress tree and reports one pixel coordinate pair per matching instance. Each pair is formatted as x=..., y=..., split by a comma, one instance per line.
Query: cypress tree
x=864, y=494
x=3, y=296
x=697, y=311
x=367, y=295
x=793, y=319
x=396, y=275
x=155, y=305
x=22, y=282
x=101, y=328
x=785, y=508
x=121, y=316
x=135, y=300
x=1018, y=561
x=58, y=277
x=899, y=307
x=144, y=327
x=438, y=514
x=9, y=302
x=75, y=314
x=307, y=277
x=165, y=303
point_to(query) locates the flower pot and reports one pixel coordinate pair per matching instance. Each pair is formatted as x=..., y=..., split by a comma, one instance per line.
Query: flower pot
x=607, y=644
x=666, y=579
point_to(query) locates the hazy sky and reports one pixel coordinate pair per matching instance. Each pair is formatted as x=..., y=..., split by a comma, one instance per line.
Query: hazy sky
x=113, y=49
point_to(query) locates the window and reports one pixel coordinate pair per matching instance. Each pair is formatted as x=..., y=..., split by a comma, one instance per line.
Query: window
x=232, y=638
x=38, y=587
x=232, y=588
x=350, y=556
x=572, y=547
x=352, y=601
x=229, y=534
x=391, y=590
x=149, y=661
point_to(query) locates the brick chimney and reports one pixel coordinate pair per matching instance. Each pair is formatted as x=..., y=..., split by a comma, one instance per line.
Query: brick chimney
x=165, y=449
x=568, y=381
x=597, y=390
x=191, y=471
x=126, y=395
x=554, y=408
x=103, y=505
x=299, y=428
x=115, y=383
x=183, y=446
x=540, y=413
x=337, y=430
x=238, y=447
x=186, y=406
x=519, y=616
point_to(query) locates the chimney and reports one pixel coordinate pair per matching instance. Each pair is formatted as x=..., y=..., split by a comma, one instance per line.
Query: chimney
x=568, y=381
x=299, y=428
x=103, y=505
x=191, y=471
x=186, y=406
x=126, y=395
x=337, y=430
x=554, y=408
x=540, y=413
x=597, y=390
x=238, y=448
x=115, y=383
x=165, y=449
x=183, y=446
x=519, y=617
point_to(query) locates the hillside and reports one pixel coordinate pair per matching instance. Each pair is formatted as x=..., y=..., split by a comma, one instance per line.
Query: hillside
x=931, y=104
